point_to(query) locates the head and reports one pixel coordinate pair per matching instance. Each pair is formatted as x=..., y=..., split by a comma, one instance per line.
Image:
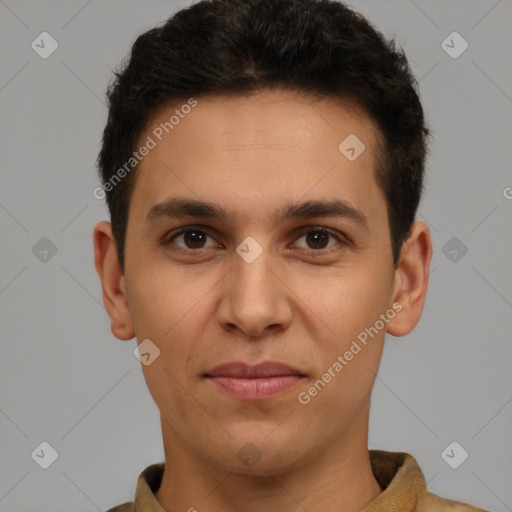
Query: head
x=260, y=121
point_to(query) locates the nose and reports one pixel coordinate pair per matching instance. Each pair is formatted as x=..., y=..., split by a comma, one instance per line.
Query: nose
x=255, y=299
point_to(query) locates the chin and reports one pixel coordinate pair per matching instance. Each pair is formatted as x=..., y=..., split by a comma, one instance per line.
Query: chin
x=259, y=458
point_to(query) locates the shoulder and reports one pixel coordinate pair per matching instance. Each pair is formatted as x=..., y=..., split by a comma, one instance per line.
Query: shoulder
x=428, y=502
x=125, y=507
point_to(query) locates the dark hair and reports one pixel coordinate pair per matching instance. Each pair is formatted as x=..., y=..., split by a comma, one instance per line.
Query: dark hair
x=239, y=47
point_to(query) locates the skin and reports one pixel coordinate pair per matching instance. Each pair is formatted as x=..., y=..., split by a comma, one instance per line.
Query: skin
x=252, y=155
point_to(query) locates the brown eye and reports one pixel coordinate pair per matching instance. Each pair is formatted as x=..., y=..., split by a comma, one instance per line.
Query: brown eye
x=190, y=238
x=319, y=239
x=194, y=239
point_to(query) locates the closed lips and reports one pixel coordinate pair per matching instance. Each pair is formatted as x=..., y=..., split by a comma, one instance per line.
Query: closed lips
x=262, y=370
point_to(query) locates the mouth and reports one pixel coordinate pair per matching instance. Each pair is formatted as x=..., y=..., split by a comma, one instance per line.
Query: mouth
x=254, y=382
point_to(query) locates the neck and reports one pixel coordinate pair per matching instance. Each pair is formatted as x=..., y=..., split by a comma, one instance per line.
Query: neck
x=339, y=478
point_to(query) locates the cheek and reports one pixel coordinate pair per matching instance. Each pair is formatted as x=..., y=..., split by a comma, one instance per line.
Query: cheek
x=172, y=308
x=350, y=304
x=161, y=301
x=346, y=302
x=166, y=311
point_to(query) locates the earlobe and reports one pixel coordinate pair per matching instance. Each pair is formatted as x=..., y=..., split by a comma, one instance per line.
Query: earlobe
x=411, y=280
x=112, y=281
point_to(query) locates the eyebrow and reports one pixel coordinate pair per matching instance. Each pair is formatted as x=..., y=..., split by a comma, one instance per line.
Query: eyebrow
x=181, y=207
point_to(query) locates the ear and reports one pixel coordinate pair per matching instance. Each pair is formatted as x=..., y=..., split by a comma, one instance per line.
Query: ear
x=112, y=281
x=411, y=280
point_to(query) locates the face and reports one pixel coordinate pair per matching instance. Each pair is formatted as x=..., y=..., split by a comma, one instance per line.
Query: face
x=253, y=238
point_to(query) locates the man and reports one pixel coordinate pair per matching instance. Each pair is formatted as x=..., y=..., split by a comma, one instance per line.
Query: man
x=263, y=163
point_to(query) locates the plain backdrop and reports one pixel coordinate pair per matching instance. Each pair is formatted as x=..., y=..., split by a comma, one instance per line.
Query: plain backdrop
x=65, y=380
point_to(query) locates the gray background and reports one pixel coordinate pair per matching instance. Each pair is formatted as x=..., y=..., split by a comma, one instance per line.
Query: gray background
x=66, y=380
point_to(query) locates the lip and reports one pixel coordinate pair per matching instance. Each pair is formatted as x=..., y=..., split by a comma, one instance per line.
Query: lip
x=239, y=369
x=254, y=382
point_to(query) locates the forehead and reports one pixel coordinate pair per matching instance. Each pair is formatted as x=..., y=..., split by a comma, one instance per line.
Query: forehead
x=260, y=148
x=272, y=117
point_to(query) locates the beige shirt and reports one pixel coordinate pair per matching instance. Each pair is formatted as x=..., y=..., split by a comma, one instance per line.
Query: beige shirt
x=398, y=474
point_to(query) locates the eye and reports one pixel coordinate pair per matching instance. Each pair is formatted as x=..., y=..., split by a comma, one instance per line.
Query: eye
x=192, y=239
x=318, y=238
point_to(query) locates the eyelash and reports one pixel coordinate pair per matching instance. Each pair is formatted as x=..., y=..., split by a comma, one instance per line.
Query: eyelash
x=167, y=240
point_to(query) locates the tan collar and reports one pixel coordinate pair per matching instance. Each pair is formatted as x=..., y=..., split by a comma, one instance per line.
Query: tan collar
x=397, y=473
